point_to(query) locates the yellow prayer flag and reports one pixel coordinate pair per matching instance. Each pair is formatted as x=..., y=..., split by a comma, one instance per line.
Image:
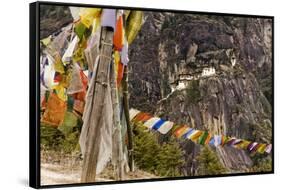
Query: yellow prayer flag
x=196, y=135
x=126, y=13
x=46, y=41
x=96, y=25
x=58, y=66
x=60, y=91
x=87, y=15
x=261, y=149
x=116, y=60
x=244, y=144
x=134, y=24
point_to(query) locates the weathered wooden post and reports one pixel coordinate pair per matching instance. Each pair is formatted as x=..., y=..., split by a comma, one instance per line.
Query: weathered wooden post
x=92, y=143
x=118, y=160
x=127, y=115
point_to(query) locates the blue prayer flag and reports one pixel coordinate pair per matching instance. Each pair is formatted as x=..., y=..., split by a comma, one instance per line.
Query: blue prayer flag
x=157, y=125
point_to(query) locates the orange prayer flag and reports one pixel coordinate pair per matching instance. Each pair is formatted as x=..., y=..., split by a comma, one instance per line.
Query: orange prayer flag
x=120, y=73
x=80, y=96
x=84, y=79
x=55, y=110
x=139, y=117
x=145, y=118
x=118, y=35
x=208, y=139
x=79, y=106
x=180, y=131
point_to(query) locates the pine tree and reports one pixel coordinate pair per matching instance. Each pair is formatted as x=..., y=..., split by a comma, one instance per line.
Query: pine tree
x=208, y=163
x=171, y=159
x=146, y=150
x=163, y=160
x=262, y=163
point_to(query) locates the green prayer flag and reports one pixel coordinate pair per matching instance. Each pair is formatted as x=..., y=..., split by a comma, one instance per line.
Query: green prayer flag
x=80, y=29
x=203, y=138
x=69, y=122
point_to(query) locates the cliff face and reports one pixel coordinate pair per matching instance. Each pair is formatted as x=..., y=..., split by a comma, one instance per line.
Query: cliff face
x=53, y=18
x=232, y=96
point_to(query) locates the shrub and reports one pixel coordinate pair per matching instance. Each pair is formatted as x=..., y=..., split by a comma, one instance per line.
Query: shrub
x=164, y=160
x=262, y=163
x=170, y=159
x=53, y=139
x=208, y=163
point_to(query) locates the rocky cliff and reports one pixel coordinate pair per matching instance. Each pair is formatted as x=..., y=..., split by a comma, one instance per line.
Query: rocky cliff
x=167, y=63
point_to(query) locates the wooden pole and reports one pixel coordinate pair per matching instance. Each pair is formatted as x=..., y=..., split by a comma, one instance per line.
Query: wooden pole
x=92, y=144
x=117, y=136
x=127, y=116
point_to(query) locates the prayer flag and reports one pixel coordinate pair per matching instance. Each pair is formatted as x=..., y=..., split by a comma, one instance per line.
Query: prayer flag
x=268, y=148
x=67, y=56
x=149, y=123
x=55, y=110
x=189, y=133
x=87, y=15
x=133, y=113
x=108, y=18
x=118, y=35
x=203, y=138
x=166, y=127
x=158, y=124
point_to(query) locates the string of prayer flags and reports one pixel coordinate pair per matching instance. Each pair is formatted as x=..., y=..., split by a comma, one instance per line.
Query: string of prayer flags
x=196, y=136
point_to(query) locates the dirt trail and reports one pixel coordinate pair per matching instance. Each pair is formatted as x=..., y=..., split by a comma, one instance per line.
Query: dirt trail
x=56, y=174
x=67, y=170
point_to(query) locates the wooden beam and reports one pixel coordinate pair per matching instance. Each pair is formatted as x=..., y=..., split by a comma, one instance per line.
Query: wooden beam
x=118, y=152
x=92, y=144
x=127, y=116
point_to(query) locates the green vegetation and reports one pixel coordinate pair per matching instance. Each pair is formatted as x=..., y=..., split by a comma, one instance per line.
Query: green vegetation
x=50, y=137
x=53, y=139
x=192, y=92
x=262, y=132
x=208, y=163
x=163, y=160
x=266, y=87
x=262, y=163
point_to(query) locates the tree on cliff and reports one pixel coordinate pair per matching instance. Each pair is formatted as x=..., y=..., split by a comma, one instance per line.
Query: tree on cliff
x=208, y=163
